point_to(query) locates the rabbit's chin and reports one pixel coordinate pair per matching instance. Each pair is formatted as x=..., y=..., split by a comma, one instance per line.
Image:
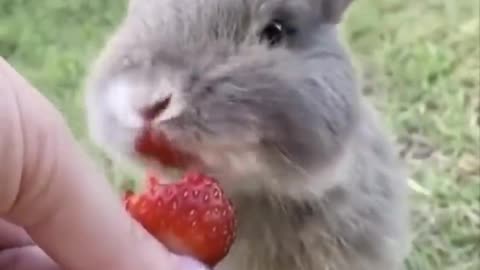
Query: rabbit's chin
x=237, y=171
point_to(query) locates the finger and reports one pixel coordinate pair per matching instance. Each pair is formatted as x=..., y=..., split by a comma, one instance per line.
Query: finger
x=12, y=236
x=26, y=258
x=186, y=263
x=66, y=206
x=11, y=143
x=33, y=258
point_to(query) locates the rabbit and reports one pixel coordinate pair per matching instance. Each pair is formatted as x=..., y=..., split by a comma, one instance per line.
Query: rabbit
x=266, y=96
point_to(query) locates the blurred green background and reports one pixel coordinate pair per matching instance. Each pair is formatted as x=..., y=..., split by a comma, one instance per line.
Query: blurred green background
x=420, y=65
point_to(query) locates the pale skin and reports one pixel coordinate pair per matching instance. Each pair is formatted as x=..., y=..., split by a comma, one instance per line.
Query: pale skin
x=59, y=201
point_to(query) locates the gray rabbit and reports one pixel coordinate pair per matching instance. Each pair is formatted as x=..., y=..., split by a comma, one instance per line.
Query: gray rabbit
x=265, y=95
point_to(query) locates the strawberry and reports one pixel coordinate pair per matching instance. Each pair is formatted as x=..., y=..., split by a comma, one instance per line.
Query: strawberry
x=192, y=217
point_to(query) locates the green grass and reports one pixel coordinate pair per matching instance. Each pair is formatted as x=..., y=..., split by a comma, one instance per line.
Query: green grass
x=420, y=64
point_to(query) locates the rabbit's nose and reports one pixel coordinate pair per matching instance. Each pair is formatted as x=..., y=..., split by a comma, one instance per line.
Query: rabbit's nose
x=154, y=110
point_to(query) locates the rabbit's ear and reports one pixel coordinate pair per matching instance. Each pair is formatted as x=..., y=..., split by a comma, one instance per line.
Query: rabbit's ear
x=332, y=10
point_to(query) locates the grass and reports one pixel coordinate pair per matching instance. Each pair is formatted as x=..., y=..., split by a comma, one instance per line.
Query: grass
x=420, y=61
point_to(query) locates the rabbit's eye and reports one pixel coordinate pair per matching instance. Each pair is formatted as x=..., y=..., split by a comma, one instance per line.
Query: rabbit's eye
x=273, y=33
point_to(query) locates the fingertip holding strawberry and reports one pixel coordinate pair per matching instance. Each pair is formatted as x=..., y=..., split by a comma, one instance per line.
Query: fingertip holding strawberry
x=192, y=217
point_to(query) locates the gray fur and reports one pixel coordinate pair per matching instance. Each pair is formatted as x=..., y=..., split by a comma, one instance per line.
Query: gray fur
x=316, y=182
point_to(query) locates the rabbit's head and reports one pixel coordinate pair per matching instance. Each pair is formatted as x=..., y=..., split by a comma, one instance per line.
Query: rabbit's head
x=261, y=91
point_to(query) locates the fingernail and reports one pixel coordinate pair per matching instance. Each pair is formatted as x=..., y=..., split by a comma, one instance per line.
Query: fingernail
x=190, y=264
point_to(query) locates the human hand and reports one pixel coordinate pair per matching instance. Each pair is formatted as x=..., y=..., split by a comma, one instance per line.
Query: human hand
x=17, y=251
x=66, y=207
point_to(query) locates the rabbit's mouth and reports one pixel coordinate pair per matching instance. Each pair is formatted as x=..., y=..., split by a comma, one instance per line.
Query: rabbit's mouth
x=155, y=146
x=169, y=160
x=161, y=156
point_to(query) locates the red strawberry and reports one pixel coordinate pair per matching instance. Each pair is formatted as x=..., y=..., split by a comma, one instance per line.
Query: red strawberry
x=192, y=217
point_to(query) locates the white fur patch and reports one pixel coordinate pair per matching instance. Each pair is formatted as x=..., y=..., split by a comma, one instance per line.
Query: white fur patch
x=119, y=103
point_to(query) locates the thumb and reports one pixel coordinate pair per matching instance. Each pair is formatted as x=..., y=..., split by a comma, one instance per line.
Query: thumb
x=58, y=196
